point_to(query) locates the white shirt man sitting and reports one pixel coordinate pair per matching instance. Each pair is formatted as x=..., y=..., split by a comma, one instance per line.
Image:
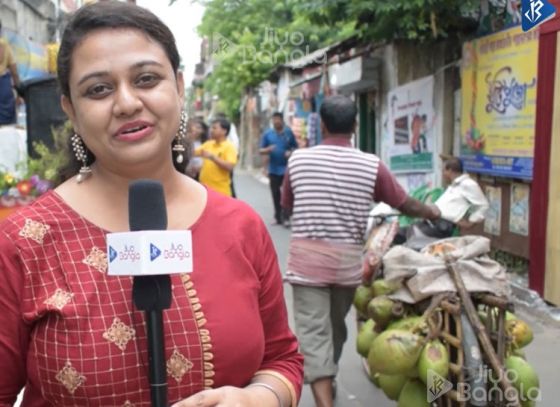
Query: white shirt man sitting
x=463, y=202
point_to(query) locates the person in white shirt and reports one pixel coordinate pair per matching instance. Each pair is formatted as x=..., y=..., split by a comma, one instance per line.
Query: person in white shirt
x=463, y=202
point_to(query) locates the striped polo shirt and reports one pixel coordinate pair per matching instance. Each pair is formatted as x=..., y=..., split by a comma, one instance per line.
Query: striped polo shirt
x=330, y=189
x=333, y=188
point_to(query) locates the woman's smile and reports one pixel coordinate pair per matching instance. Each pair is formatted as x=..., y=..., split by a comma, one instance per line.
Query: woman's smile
x=134, y=131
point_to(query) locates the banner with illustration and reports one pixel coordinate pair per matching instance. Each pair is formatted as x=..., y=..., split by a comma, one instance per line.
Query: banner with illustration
x=410, y=127
x=32, y=58
x=499, y=89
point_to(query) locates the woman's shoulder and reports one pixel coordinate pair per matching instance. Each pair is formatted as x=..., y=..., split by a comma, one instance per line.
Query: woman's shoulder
x=36, y=219
x=231, y=213
x=220, y=204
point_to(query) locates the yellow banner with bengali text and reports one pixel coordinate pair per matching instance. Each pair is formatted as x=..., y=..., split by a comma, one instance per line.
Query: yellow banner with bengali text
x=499, y=90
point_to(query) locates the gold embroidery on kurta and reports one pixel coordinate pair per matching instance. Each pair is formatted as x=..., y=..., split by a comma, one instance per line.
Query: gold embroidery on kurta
x=178, y=365
x=127, y=404
x=203, y=333
x=97, y=259
x=59, y=299
x=34, y=230
x=119, y=333
x=70, y=378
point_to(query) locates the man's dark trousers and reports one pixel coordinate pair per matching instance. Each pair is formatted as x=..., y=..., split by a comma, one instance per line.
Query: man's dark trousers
x=275, y=186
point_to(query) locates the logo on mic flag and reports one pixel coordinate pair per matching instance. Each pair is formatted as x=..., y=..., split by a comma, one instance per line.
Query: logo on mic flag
x=112, y=254
x=149, y=252
x=154, y=252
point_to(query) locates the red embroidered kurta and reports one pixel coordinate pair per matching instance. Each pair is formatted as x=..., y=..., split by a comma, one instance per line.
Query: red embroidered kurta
x=71, y=335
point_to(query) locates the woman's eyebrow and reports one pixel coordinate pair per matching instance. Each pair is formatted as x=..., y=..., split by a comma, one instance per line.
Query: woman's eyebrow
x=137, y=65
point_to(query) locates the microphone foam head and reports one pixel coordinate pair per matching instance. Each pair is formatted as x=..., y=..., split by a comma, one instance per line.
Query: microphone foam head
x=146, y=205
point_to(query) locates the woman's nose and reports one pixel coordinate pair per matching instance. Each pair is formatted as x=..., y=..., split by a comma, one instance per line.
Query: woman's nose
x=127, y=101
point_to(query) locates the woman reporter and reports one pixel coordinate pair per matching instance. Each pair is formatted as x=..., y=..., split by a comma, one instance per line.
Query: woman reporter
x=69, y=333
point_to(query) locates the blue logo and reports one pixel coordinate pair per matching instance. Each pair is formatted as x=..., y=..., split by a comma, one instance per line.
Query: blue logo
x=535, y=12
x=112, y=254
x=154, y=252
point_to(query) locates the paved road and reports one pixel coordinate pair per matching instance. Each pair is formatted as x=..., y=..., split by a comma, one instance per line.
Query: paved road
x=354, y=387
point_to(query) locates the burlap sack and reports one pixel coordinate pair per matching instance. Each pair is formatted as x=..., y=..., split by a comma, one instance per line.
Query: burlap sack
x=424, y=275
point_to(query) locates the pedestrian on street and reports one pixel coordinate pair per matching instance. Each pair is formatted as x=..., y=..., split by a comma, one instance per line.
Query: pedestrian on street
x=220, y=157
x=198, y=135
x=69, y=332
x=329, y=189
x=233, y=138
x=9, y=82
x=277, y=143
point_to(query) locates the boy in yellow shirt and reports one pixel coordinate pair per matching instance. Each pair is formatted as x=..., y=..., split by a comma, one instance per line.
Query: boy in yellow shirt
x=220, y=157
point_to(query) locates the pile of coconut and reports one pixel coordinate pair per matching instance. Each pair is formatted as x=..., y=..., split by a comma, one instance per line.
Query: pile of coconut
x=400, y=347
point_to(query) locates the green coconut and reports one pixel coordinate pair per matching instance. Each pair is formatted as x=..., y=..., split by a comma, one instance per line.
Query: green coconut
x=383, y=287
x=394, y=352
x=521, y=333
x=380, y=309
x=361, y=298
x=366, y=335
x=523, y=377
x=413, y=394
x=392, y=385
x=374, y=378
x=412, y=373
x=407, y=324
x=519, y=353
x=434, y=357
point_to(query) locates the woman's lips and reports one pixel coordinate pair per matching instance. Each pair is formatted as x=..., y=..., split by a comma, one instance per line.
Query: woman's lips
x=136, y=134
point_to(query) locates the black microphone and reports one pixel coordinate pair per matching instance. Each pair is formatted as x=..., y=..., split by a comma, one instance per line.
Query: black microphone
x=152, y=294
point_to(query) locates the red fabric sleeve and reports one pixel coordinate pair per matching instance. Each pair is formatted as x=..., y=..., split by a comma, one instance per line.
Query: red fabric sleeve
x=287, y=196
x=14, y=333
x=281, y=348
x=387, y=188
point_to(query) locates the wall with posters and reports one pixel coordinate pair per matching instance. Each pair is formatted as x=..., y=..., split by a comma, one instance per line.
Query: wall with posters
x=499, y=89
x=410, y=124
x=507, y=219
x=404, y=64
x=497, y=131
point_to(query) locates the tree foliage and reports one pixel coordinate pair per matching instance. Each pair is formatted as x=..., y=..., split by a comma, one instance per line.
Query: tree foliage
x=249, y=38
x=386, y=20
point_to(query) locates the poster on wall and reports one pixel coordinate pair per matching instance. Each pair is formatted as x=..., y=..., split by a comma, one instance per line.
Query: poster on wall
x=410, y=127
x=519, y=209
x=493, y=220
x=499, y=90
x=31, y=57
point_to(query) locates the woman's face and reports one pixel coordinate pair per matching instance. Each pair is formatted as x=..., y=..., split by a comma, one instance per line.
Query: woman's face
x=196, y=131
x=125, y=100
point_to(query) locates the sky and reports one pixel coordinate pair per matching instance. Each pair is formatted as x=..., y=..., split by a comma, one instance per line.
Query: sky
x=182, y=18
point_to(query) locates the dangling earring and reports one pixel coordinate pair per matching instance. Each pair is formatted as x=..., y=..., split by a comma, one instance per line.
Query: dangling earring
x=81, y=155
x=178, y=146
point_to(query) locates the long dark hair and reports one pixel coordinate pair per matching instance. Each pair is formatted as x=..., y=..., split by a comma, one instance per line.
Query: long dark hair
x=204, y=126
x=111, y=14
